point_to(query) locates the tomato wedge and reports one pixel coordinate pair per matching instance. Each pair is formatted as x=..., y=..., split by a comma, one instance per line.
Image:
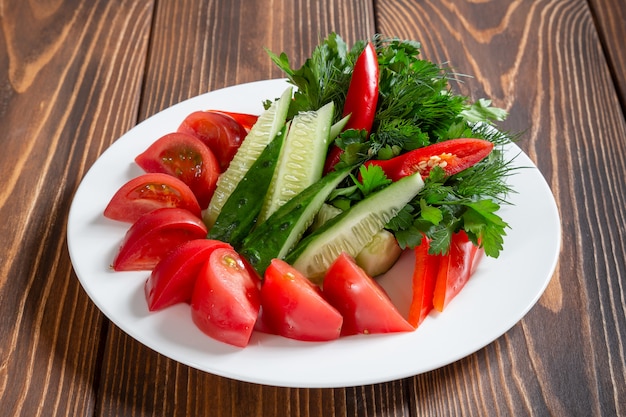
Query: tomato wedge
x=173, y=278
x=293, y=307
x=244, y=119
x=453, y=156
x=225, y=301
x=424, y=278
x=455, y=269
x=149, y=192
x=220, y=132
x=365, y=306
x=184, y=157
x=154, y=235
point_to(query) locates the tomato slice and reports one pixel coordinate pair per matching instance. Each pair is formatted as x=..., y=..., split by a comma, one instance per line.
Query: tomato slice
x=225, y=301
x=365, y=306
x=244, y=119
x=173, y=278
x=293, y=307
x=455, y=269
x=424, y=278
x=154, y=235
x=220, y=132
x=453, y=156
x=184, y=157
x=149, y=192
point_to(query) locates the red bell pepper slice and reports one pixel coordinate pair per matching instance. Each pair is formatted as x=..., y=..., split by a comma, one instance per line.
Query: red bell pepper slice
x=453, y=156
x=424, y=278
x=455, y=269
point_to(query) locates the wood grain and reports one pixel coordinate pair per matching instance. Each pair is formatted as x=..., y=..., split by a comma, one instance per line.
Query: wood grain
x=64, y=80
x=579, y=146
x=75, y=75
x=610, y=16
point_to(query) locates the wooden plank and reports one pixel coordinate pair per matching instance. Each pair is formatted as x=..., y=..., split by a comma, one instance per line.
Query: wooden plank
x=70, y=73
x=542, y=61
x=610, y=16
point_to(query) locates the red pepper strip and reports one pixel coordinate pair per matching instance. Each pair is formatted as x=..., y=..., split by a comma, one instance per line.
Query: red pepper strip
x=244, y=119
x=455, y=269
x=361, y=99
x=452, y=155
x=362, y=95
x=424, y=278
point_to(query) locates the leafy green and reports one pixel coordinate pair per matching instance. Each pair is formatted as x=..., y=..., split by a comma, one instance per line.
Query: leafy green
x=416, y=107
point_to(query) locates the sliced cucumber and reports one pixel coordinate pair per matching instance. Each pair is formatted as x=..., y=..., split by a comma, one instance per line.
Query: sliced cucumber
x=302, y=158
x=275, y=237
x=353, y=229
x=262, y=133
x=378, y=256
x=239, y=212
x=337, y=128
x=326, y=212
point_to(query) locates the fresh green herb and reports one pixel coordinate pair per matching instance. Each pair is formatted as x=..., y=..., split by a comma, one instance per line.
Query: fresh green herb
x=416, y=107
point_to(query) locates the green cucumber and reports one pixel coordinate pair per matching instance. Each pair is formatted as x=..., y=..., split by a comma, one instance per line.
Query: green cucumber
x=275, y=237
x=240, y=211
x=353, y=229
x=302, y=158
x=378, y=256
x=337, y=128
x=261, y=134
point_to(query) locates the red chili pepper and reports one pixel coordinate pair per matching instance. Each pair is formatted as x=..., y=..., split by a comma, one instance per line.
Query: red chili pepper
x=362, y=96
x=453, y=156
x=361, y=99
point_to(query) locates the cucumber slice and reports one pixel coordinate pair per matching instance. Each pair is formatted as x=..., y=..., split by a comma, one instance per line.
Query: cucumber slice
x=262, y=133
x=353, y=229
x=378, y=256
x=278, y=235
x=337, y=128
x=302, y=158
x=240, y=211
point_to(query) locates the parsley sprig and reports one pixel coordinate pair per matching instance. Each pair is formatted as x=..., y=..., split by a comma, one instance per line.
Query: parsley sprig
x=416, y=107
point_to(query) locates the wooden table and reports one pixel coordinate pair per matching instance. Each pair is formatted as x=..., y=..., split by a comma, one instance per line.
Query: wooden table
x=76, y=75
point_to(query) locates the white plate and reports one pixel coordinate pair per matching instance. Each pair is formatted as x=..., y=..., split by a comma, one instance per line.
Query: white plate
x=499, y=294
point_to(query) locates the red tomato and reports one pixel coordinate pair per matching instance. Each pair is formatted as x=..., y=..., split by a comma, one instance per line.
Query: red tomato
x=186, y=158
x=424, y=278
x=244, y=119
x=452, y=155
x=225, y=301
x=365, y=306
x=154, y=235
x=362, y=95
x=293, y=307
x=455, y=269
x=172, y=280
x=149, y=192
x=221, y=133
